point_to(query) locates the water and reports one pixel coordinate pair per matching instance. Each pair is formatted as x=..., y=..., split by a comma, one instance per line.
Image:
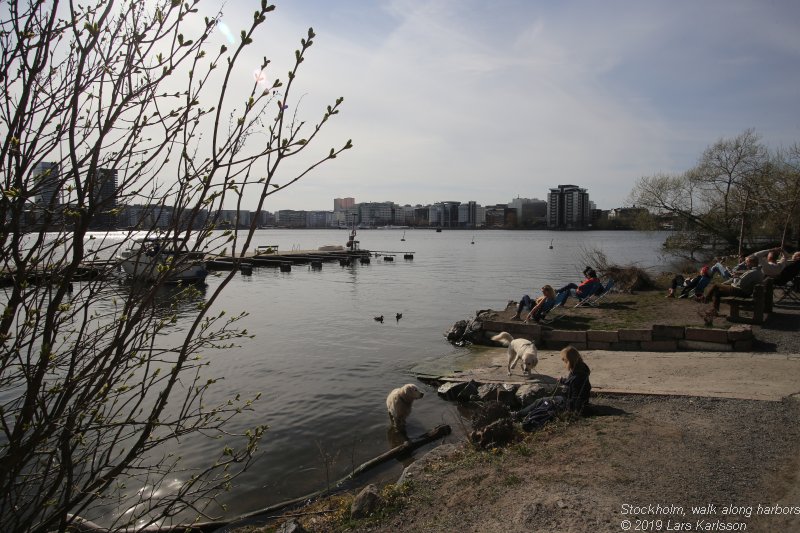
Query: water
x=325, y=366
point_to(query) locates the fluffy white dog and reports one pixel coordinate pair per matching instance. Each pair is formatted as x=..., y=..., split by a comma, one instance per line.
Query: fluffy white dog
x=519, y=350
x=399, y=404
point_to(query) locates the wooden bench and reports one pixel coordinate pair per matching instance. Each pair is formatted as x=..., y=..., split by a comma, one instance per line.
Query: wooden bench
x=267, y=249
x=760, y=302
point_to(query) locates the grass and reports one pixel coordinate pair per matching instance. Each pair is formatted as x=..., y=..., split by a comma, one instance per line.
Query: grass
x=632, y=311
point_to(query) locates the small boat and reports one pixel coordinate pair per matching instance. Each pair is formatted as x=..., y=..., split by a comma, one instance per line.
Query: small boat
x=438, y=230
x=404, y=236
x=473, y=240
x=157, y=258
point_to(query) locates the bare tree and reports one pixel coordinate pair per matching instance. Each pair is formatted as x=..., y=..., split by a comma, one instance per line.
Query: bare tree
x=726, y=197
x=108, y=105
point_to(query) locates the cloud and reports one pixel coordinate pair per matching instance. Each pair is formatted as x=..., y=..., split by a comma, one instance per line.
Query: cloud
x=476, y=101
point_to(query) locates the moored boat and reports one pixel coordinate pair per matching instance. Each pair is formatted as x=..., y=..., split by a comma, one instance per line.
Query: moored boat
x=155, y=258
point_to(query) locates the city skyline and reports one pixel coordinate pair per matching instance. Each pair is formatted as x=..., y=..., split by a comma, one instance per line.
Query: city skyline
x=447, y=99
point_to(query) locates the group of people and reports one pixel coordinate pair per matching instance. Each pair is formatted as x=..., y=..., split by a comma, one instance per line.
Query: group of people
x=539, y=307
x=738, y=281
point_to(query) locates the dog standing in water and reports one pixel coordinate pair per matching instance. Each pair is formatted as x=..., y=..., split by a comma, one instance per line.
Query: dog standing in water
x=399, y=404
x=519, y=350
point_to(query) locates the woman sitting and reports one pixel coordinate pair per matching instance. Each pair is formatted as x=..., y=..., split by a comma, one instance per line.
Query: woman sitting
x=590, y=286
x=539, y=307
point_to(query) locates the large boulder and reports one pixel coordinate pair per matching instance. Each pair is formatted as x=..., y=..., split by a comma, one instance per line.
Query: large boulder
x=466, y=332
x=530, y=392
x=367, y=502
x=464, y=391
x=498, y=392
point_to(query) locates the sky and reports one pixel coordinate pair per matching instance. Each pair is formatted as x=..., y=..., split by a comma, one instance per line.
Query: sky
x=459, y=100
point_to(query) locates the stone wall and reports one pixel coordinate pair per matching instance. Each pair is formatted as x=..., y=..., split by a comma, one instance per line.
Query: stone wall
x=659, y=338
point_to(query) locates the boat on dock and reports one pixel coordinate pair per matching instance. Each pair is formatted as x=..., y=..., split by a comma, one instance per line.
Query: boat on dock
x=154, y=258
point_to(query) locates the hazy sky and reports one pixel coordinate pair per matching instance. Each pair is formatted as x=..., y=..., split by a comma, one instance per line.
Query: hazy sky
x=465, y=100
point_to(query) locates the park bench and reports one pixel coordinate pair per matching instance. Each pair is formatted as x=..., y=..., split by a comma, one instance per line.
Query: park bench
x=267, y=249
x=760, y=302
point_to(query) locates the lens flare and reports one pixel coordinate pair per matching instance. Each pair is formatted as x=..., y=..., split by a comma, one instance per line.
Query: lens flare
x=226, y=31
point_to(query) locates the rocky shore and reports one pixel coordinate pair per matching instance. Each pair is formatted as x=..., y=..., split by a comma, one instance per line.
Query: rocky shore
x=695, y=461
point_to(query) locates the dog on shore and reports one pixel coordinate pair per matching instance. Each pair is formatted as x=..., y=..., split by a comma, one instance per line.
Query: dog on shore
x=519, y=350
x=399, y=404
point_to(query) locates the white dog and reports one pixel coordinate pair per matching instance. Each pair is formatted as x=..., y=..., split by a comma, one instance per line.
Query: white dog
x=399, y=404
x=519, y=350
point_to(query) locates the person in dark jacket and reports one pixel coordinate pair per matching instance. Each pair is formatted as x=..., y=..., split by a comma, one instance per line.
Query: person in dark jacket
x=576, y=384
x=575, y=396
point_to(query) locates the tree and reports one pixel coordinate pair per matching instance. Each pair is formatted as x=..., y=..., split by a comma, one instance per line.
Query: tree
x=721, y=203
x=109, y=105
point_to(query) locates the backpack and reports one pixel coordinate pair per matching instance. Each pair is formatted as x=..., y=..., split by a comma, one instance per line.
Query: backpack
x=543, y=413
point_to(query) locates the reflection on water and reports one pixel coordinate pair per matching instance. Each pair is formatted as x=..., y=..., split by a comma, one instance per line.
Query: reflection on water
x=325, y=366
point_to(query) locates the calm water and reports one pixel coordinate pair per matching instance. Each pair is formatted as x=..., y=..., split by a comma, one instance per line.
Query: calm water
x=325, y=366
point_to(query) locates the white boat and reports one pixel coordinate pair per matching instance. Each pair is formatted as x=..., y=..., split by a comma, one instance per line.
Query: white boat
x=148, y=258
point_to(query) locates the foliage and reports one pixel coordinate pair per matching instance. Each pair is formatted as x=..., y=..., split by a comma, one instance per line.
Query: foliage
x=738, y=194
x=95, y=379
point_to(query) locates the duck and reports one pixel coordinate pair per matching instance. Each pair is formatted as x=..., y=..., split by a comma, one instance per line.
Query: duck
x=398, y=316
x=379, y=319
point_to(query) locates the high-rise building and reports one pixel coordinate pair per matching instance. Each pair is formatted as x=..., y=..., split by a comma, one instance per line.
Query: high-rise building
x=340, y=204
x=104, y=199
x=530, y=211
x=47, y=192
x=568, y=208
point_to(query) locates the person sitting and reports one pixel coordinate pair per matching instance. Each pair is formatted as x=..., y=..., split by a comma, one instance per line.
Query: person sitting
x=539, y=307
x=590, y=286
x=575, y=397
x=740, y=286
x=772, y=261
x=724, y=271
x=696, y=284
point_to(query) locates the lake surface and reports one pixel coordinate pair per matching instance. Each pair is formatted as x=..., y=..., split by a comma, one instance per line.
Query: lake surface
x=325, y=366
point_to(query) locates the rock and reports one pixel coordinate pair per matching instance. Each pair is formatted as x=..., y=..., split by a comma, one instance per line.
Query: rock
x=291, y=526
x=465, y=332
x=498, y=392
x=529, y=392
x=366, y=503
x=439, y=453
x=463, y=391
x=489, y=412
x=498, y=433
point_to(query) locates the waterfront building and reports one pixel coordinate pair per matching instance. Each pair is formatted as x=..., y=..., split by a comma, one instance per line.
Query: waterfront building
x=531, y=212
x=568, y=208
x=289, y=218
x=468, y=215
x=105, y=199
x=444, y=214
x=500, y=216
x=340, y=204
x=47, y=191
x=372, y=214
